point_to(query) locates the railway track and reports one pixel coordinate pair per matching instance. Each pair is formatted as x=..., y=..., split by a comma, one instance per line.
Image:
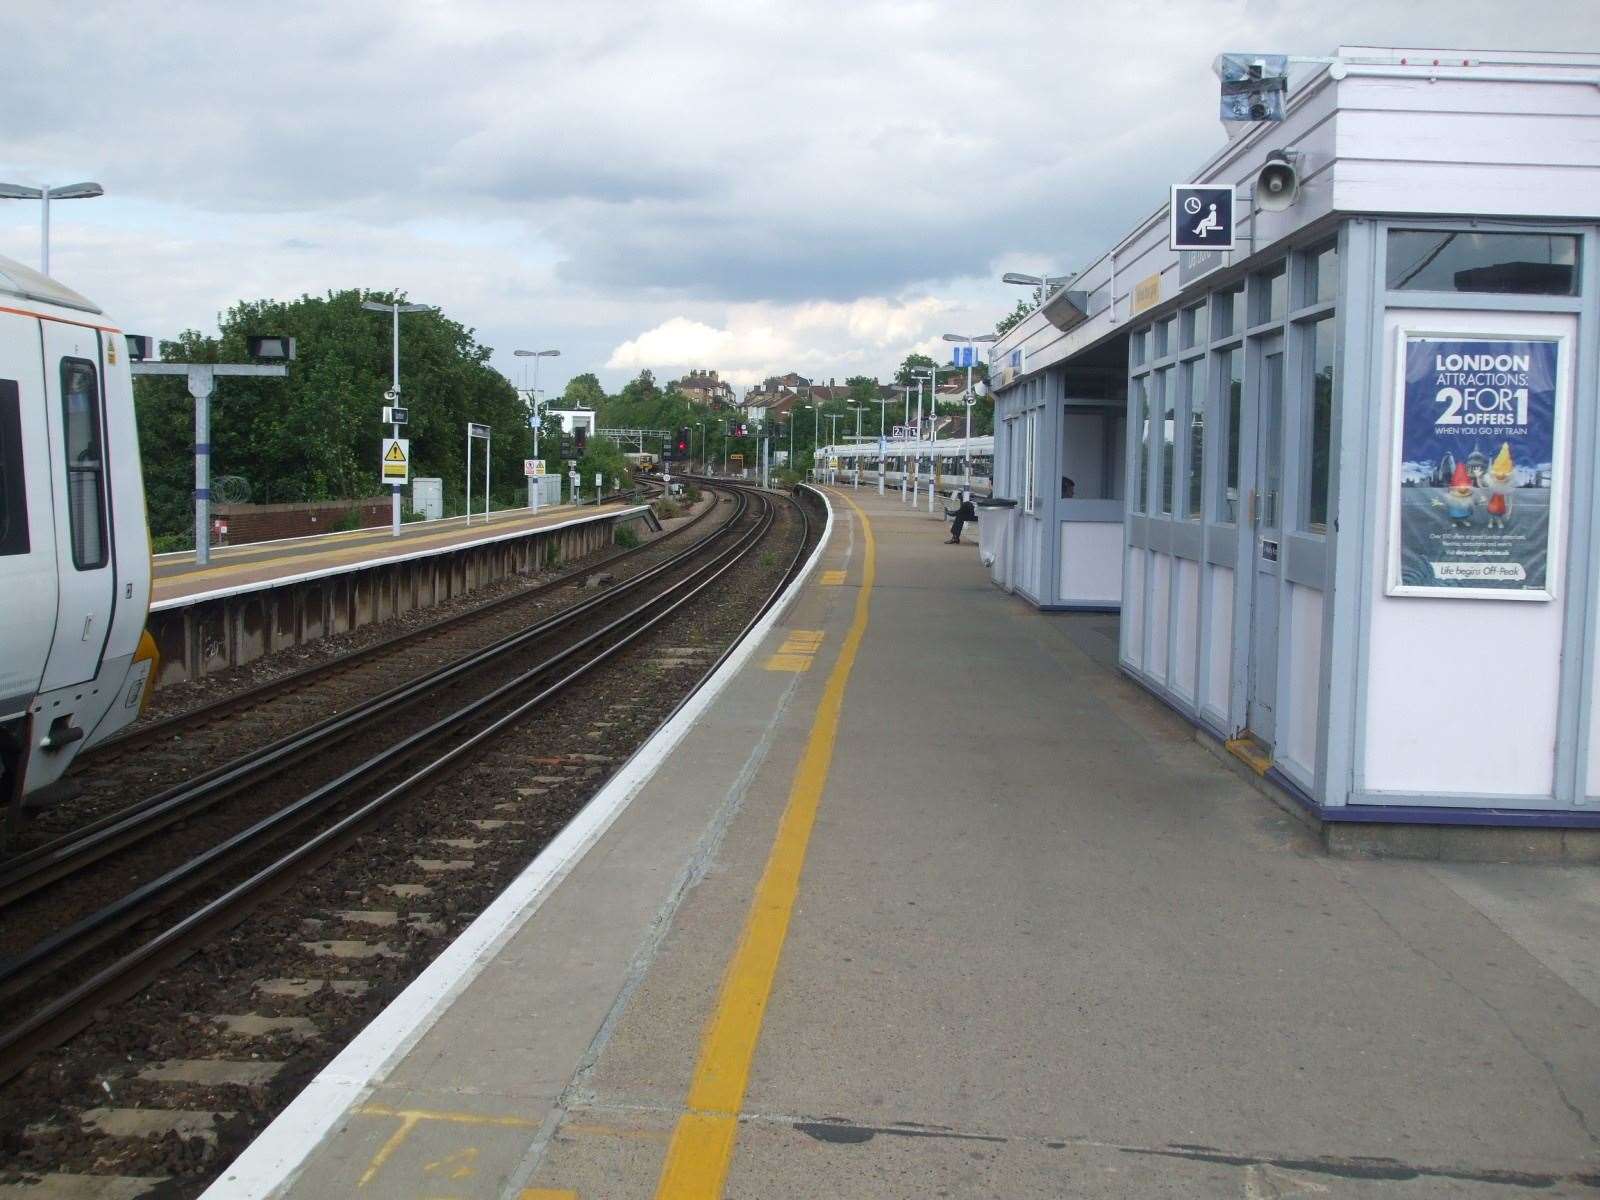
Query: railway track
x=160, y=755
x=60, y=979
x=148, y=733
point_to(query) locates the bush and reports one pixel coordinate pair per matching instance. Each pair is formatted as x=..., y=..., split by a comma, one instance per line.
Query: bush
x=166, y=543
x=666, y=510
x=349, y=519
x=626, y=537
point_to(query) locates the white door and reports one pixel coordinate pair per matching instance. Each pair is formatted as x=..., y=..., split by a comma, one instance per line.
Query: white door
x=75, y=411
x=27, y=531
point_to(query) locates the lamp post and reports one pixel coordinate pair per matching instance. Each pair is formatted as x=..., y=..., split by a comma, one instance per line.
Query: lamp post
x=858, y=408
x=70, y=191
x=701, y=426
x=396, y=308
x=972, y=357
x=536, y=355
x=1042, y=285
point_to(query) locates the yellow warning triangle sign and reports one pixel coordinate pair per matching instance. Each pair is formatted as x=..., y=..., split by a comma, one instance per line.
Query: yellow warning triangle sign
x=395, y=453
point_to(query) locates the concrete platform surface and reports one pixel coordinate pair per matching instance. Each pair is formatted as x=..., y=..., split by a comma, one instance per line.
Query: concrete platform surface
x=932, y=902
x=178, y=575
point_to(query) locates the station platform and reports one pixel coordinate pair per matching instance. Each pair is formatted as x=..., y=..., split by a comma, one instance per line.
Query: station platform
x=178, y=578
x=929, y=901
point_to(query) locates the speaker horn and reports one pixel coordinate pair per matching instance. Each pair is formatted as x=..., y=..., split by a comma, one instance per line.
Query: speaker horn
x=1277, y=183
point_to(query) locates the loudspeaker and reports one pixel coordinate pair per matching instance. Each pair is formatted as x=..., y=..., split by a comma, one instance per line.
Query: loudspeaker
x=1277, y=183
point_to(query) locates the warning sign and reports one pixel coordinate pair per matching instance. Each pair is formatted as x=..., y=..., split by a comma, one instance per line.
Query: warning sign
x=533, y=466
x=396, y=462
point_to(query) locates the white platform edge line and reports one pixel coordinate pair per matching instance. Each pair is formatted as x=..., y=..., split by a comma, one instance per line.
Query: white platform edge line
x=262, y=585
x=275, y=1158
x=503, y=515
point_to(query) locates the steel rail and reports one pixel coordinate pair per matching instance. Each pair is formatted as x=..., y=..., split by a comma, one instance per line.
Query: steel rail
x=154, y=731
x=27, y=874
x=60, y=1018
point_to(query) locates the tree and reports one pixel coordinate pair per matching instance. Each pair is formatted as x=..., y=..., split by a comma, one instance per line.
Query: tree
x=862, y=389
x=1012, y=317
x=316, y=434
x=583, y=391
x=913, y=362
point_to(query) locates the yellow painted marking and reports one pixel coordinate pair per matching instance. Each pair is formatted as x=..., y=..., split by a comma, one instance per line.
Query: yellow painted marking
x=788, y=662
x=1249, y=751
x=806, y=637
x=832, y=578
x=459, y=1165
x=410, y=1118
x=547, y=1194
x=697, y=1161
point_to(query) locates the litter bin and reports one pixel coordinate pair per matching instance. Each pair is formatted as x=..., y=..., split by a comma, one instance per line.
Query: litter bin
x=996, y=519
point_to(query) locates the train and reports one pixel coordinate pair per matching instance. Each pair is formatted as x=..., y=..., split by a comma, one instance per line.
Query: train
x=645, y=461
x=954, y=462
x=76, y=663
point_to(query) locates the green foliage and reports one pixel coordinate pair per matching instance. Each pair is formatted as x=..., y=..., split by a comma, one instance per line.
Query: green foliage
x=601, y=455
x=862, y=389
x=913, y=362
x=349, y=519
x=583, y=391
x=315, y=435
x=1011, y=318
x=626, y=537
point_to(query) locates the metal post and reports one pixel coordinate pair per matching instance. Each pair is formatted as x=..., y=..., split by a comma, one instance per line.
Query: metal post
x=394, y=429
x=488, y=445
x=201, y=381
x=44, y=232
x=469, y=472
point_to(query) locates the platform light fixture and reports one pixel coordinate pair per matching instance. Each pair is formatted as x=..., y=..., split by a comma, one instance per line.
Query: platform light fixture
x=70, y=191
x=1042, y=285
x=271, y=347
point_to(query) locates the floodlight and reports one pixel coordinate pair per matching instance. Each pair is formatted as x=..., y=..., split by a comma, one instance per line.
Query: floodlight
x=272, y=347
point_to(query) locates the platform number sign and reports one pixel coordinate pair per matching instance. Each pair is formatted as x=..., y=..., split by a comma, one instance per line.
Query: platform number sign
x=396, y=461
x=1201, y=217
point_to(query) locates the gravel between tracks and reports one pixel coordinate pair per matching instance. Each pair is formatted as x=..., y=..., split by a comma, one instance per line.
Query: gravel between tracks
x=532, y=780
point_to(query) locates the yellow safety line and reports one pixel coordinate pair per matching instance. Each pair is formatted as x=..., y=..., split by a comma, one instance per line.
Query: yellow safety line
x=702, y=1142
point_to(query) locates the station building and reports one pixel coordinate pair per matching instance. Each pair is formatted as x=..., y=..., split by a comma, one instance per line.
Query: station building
x=1340, y=480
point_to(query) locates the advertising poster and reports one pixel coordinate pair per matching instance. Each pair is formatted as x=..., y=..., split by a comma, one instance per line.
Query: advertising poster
x=1477, y=459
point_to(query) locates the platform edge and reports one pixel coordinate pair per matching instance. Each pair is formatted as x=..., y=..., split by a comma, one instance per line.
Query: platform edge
x=271, y=1162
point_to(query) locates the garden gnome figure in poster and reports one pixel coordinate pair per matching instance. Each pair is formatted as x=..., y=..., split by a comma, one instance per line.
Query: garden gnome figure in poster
x=1459, y=498
x=1499, y=479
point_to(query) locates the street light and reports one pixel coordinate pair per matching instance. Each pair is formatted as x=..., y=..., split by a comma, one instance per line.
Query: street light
x=966, y=462
x=71, y=191
x=396, y=308
x=1042, y=285
x=536, y=355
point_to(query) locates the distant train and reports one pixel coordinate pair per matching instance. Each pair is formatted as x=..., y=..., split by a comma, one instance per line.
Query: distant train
x=641, y=462
x=76, y=664
x=953, y=462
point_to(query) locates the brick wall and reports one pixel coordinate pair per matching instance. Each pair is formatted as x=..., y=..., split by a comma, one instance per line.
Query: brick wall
x=265, y=522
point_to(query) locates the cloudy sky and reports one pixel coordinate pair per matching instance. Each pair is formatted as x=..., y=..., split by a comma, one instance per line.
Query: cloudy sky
x=756, y=187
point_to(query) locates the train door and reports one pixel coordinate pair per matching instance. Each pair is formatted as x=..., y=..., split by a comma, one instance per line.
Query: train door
x=27, y=532
x=74, y=409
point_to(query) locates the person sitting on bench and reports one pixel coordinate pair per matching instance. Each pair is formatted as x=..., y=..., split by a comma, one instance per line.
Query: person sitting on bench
x=962, y=513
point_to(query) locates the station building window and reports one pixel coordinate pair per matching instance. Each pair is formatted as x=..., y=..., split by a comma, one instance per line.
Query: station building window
x=1446, y=260
x=1319, y=409
x=1231, y=377
x=1194, y=388
x=1322, y=275
x=1138, y=392
x=1227, y=317
x=1271, y=296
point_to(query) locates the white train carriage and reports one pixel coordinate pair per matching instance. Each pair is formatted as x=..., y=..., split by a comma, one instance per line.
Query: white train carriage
x=953, y=462
x=75, y=662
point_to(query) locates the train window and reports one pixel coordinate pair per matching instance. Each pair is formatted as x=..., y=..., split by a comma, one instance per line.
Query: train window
x=13, y=493
x=86, y=468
